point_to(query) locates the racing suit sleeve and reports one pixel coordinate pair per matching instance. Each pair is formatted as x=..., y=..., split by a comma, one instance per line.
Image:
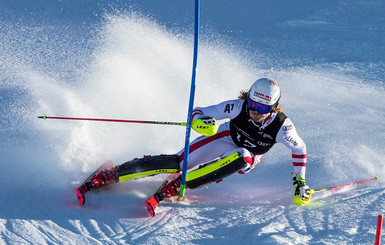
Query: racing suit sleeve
x=288, y=136
x=227, y=109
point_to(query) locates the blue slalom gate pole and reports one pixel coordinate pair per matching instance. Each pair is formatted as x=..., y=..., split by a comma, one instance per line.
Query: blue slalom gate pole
x=191, y=103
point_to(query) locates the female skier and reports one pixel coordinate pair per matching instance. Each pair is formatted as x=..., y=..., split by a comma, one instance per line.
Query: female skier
x=256, y=124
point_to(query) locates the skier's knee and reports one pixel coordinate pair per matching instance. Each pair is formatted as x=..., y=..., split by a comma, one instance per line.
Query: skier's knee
x=251, y=160
x=215, y=171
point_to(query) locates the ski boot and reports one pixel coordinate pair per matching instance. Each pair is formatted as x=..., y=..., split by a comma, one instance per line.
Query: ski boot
x=168, y=189
x=103, y=178
x=104, y=175
x=172, y=188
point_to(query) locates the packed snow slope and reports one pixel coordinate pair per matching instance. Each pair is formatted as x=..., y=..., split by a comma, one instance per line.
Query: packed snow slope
x=132, y=60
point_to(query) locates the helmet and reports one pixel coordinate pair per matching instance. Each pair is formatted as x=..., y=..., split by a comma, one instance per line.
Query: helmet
x=264, y=96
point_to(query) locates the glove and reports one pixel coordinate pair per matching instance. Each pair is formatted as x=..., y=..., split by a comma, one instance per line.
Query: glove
x=205, y=125
x=302, y=192
x=254, y=162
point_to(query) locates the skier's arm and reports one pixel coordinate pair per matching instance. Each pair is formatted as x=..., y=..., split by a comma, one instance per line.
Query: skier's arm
x=204, y=117
x=288, y=136
x=227, y=109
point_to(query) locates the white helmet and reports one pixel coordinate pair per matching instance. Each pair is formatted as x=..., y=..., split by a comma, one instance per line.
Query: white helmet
x=264, y=95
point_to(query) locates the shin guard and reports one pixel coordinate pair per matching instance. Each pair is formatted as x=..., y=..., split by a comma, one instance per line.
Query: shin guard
x=215, y=171
x=147, y=166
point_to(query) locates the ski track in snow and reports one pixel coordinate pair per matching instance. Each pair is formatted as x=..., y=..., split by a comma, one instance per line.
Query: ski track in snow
x=331, y=218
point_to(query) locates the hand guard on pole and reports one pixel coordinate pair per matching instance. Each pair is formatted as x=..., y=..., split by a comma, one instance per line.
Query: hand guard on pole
x=205, y=125
x=302, y=192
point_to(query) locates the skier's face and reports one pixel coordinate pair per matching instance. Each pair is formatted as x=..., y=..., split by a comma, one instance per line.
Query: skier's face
x=258, y=117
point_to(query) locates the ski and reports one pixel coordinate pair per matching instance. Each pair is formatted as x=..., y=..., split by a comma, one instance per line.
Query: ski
x=87, y=184
x=169, y=188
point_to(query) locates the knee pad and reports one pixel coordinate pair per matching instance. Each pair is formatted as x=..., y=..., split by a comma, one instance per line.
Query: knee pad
x=215, y=171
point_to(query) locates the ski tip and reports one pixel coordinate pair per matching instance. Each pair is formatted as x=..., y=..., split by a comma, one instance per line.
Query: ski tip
x=42, y=117
x=376, y=177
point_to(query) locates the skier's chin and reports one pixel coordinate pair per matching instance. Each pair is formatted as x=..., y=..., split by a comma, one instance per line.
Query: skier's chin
x=259, y=118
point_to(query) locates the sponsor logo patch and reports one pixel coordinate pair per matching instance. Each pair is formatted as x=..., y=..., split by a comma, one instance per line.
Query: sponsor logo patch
x=263, y=143
x=287, y=128
x=264, y=135
x=291, y=140
x=263, y=96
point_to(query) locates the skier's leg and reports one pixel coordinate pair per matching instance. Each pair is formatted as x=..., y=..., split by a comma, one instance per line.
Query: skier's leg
x=147, y=166
x=215, y=171
x=201, y=175
x=207, y=148
x=129, y=170
x=212, y=158
x=152, y=165
x=136, y=168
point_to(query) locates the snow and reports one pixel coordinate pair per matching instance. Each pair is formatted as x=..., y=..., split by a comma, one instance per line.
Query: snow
x=132, y=60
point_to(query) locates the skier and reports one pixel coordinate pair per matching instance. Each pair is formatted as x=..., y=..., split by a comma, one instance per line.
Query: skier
x=256, y=124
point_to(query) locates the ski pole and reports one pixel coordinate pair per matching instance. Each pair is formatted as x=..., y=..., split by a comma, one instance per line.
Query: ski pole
x=340, y=186
x=113, y=120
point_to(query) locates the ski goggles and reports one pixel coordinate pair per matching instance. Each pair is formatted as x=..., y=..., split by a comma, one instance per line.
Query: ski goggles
x=255, y=106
